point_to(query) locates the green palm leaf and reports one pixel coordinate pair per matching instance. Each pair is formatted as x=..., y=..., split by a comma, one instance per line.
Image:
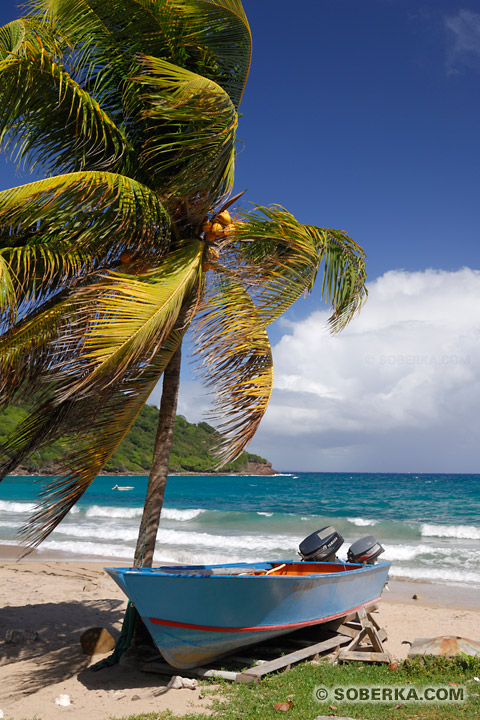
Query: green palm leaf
x=33, y=273
x=122, y=321
x=48, y=118
x=221, y=28
x=190, y=146
x=8, y=296
x=235, y=360
x=27, y=349
x=95, y=427
x=210, y=37
x=287, y=256
x=16, y=36
x=89, y=211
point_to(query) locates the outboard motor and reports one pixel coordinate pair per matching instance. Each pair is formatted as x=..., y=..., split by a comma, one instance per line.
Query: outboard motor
x=366, y=550
x=321, y=545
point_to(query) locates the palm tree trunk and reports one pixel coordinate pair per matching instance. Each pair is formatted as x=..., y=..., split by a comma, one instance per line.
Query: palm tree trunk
x=134, y=633
x=158, y=474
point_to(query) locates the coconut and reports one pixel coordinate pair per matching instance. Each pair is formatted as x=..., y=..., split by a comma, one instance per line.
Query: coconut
x=217, y=228
x=229, y=229
x=207, y=226
x=224, y=218
x=212, y=253
x=127, y=256
x=210, y=236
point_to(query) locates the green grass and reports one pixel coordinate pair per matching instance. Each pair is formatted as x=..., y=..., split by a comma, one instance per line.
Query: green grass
x=257, y=702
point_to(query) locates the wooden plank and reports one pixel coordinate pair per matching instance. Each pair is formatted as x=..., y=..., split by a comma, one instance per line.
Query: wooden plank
x=364, y=656
x=348, y=631
x=294, y=657
x=380, y=631
x=374, y=639
x=357, y=640
x=199, y=672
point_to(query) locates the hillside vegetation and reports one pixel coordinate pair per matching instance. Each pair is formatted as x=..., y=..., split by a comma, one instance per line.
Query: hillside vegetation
x=192, y=450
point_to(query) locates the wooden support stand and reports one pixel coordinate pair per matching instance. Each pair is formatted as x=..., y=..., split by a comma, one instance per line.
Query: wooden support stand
x=322, y=640
x=367, y=641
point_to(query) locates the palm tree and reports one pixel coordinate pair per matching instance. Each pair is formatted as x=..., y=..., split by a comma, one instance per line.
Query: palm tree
x=130, y=109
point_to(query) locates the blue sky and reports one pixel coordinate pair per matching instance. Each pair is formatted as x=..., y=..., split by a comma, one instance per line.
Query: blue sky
x=365, y=116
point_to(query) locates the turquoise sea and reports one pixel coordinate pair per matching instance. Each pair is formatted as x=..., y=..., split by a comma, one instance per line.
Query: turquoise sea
x=428, y=524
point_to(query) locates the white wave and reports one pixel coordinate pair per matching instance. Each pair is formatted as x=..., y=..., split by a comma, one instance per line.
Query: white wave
x=463, y=532
x=361, y=522
x=187, y=557
x=253, y=543
x=181, y=515
x=448, y=576
x=128, y=513
x=174, y=538
x=408, y=552
x=98, y=532
x=89, y=548
x=265, y=514
x=114, y=512
x=16, y=507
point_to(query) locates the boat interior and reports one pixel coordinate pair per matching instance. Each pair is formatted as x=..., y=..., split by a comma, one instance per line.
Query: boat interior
x=318, y=554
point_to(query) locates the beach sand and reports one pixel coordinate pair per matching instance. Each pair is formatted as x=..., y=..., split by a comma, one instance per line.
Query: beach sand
x=60, y=599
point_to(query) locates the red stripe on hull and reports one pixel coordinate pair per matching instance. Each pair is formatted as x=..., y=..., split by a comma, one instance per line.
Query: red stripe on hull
x=257, y=628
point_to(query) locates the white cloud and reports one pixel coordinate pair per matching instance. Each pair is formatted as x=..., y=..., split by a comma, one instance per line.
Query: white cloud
x=463, y=37
x=399, y=389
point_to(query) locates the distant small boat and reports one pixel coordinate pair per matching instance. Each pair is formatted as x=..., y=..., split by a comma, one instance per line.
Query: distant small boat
x=197, y=613
x=123, y=487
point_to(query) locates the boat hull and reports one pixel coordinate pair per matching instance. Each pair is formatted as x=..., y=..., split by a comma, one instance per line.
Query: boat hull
x=196, y=614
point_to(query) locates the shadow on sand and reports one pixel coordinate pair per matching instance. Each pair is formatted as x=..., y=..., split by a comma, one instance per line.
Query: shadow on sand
x=57, y=653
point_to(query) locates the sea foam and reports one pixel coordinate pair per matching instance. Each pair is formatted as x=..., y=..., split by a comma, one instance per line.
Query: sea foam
x=463, y=532
x=181, y=515
x=361, y=522
x=114, y=512
x=440, y=575
x=128, y=513
x=16, y=507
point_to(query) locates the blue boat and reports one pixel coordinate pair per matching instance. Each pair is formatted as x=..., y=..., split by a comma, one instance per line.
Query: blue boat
x=198, y=613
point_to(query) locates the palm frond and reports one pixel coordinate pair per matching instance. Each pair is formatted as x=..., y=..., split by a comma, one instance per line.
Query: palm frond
x=16, y=36
x=190, y=145
x=122, y=321
x=65, y=228
x=287, y=255
x=8, y=295
x=209, y=37
x=34, y=273
x=26, y=348
x=95, y=427
x=12, y=36
x=92, y=212
x=219, y=28
x=46, y=118
x=235, y=359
